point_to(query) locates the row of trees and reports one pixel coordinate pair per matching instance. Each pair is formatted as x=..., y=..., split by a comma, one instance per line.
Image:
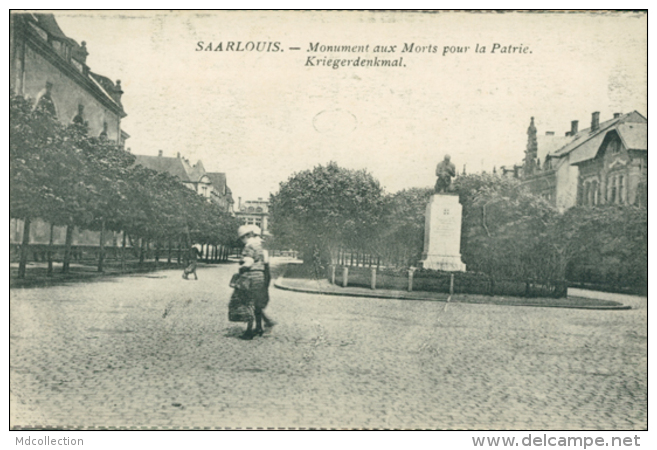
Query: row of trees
x=507, y=232
x=65, y=177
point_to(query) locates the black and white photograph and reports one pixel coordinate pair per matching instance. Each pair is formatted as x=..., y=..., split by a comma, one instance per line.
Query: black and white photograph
x=329, y=220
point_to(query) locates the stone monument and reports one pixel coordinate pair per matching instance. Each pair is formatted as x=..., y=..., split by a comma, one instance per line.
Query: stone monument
x=442, y=226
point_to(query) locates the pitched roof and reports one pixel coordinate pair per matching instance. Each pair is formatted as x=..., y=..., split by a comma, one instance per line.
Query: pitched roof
x=196, y=172
x=48, y=23
x=585, y=143
x=173, y=166
x=634, y=135
x=218, y=179
x=548, y=144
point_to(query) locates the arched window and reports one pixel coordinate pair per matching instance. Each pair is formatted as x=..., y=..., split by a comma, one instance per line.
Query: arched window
x=612, y=190
x=585, y=197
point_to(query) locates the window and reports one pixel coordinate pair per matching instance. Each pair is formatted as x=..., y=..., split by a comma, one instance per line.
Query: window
x=614, y=147
x=594, y=192
x=585, y=197
x=612, y=190
x=621, y=188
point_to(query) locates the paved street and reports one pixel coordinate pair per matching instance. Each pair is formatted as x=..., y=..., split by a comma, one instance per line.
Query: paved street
x=156, y=351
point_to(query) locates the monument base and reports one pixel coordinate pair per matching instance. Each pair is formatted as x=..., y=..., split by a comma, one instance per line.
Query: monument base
x=442, y=262
x=442, y=234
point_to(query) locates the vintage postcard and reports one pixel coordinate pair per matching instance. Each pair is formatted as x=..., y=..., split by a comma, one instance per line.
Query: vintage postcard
x=332, y=220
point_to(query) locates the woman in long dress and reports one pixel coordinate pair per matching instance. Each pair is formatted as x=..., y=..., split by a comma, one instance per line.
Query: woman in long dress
x=255, y=280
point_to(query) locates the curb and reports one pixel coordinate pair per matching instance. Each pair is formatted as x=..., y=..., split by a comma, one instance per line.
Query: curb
x=279, y=284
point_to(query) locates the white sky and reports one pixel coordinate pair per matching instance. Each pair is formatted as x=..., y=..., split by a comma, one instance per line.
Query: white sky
x=260, y=117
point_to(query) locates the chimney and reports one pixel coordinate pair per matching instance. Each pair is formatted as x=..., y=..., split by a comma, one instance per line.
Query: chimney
x=239, y=203
x=573, y=127
x=595, y=121
x=617, y=115
x=178, y=155
x=549, y=133
x=159, y=153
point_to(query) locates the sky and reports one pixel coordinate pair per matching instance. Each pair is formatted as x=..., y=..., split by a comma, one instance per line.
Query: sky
x=260, y=117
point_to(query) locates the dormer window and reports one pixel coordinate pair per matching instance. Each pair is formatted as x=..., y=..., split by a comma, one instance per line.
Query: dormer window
x=614, y=146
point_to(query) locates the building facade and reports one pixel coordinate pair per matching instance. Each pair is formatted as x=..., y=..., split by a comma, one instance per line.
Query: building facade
x=605, y=163
x=50, y=68
x=254, y=212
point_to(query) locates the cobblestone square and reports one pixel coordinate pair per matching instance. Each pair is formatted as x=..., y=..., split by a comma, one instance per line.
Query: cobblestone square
x=153, y=351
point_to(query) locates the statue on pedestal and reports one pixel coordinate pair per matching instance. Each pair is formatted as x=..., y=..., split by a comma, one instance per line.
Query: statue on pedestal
x=442, y=224
x=444, y=171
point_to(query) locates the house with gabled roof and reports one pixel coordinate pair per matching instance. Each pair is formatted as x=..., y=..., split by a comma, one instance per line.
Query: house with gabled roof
x=605, y=163
x=192, y=176
x=211, y=185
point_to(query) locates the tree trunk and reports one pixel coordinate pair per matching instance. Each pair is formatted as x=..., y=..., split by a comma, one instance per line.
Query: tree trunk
x=169, y=252
x=147, y=249
x=157, y=253
x=180, y=250
x=141, y=251
x=22, y=265
x=67, y=249
x=123, y=253
x=101, y=252
x=50, y=250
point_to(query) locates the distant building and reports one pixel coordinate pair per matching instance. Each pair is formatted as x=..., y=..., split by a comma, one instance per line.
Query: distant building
x=605, y=163
x=221, y=193
x=254, y=212
x=211, y=185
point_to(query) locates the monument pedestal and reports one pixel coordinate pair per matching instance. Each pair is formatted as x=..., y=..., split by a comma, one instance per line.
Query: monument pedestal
x=442, y=234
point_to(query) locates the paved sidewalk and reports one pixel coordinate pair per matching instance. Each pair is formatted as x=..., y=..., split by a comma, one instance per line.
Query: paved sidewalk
x=581, y=301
